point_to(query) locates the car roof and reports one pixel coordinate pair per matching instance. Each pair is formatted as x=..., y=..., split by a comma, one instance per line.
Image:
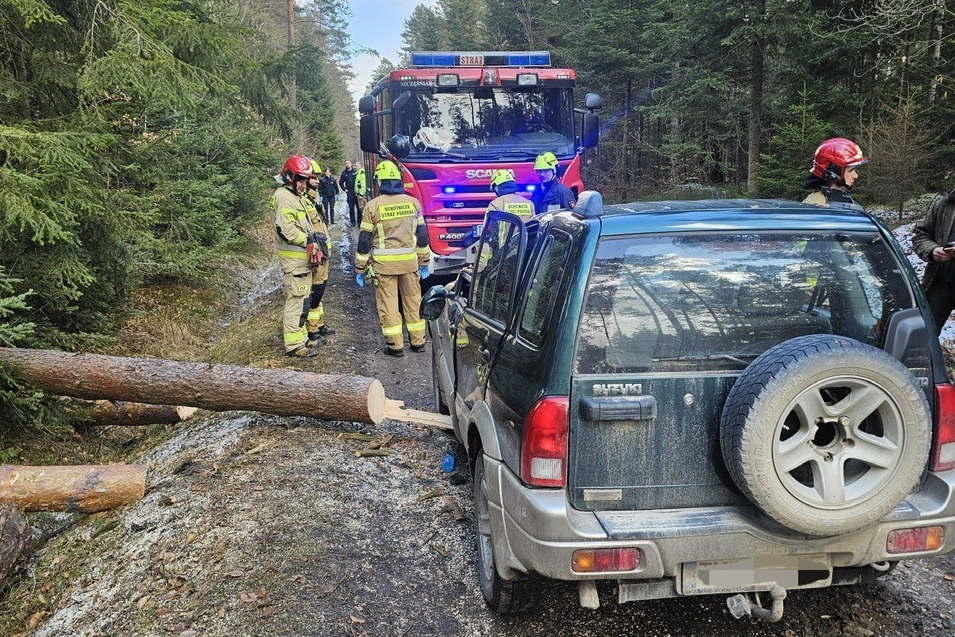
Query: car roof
x=730, y=215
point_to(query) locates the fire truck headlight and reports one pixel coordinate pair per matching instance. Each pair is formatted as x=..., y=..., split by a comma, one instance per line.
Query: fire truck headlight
x=527, y=79
x=448, y=79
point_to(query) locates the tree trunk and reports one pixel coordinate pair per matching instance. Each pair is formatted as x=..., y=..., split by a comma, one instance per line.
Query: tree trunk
x=16, y=538
x=757, y=74
x=77, y=489
x=127, y=414
x=216, y=387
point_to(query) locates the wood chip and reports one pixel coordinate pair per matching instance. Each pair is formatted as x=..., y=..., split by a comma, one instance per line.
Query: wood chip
x=433, y=493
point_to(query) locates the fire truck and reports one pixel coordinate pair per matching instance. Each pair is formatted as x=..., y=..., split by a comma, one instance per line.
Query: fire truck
x=468, y=113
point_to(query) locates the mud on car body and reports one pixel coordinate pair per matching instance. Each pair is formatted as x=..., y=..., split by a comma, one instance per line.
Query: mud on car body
x=683, y=398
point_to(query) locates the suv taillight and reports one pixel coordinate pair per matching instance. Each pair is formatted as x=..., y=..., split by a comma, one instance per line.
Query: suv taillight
x=544, y=447
x=943, y=446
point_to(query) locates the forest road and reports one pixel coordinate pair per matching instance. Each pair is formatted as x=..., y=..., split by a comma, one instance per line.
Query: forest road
x=256, y=525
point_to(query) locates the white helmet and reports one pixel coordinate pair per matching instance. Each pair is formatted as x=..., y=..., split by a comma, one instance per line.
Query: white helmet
x=427, y=137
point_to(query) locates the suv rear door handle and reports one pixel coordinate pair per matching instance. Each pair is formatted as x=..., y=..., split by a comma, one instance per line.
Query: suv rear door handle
x=618, y=408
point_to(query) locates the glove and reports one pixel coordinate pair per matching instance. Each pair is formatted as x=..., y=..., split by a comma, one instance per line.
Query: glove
x=360, y=280
x=315, y=254
x=424, y=272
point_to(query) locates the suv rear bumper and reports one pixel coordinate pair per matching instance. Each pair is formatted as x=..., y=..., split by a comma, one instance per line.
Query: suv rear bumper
x=538, y=531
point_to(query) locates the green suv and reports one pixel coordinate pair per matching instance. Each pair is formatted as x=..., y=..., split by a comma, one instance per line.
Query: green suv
x=684, y=398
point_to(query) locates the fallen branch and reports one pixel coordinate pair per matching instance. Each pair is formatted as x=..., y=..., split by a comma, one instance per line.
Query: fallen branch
x=125, y=413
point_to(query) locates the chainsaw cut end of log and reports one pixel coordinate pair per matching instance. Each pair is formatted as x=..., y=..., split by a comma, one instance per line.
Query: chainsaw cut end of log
x=377, y=403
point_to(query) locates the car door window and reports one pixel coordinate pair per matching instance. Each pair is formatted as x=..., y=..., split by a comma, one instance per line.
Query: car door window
x=543, y=288
x=496, y=269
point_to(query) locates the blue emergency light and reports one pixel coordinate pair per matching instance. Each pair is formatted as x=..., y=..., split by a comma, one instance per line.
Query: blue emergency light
x=425, y=59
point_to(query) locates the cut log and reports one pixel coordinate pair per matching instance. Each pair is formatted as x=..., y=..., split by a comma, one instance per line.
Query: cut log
x=16, y=539
x=77, y=489
x=126, y=414
x=156, y=381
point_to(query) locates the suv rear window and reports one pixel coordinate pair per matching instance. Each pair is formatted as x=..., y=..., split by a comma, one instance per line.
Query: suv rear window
x=715, y=301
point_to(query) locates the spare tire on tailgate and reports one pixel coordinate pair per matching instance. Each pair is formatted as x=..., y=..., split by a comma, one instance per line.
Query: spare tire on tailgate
x=825, y=434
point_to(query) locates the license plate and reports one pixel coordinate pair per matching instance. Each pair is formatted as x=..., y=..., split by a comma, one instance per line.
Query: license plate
x=757, y=574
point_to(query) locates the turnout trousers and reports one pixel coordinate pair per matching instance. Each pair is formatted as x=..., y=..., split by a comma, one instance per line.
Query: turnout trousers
x=387, y=291
x=297, y=287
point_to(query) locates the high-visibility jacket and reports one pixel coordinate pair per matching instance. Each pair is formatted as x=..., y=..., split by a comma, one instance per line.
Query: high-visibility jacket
x=360, y=185
x=397, y=229
x=514, y=204
x=292, y=228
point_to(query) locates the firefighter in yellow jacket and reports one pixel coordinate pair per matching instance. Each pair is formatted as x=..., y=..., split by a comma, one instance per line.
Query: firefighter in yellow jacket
x=297, y=250
x=393, y=254
x=315, y=319
x=504, y=186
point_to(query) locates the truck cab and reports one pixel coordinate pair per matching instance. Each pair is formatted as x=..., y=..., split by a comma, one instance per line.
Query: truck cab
x=466, y=115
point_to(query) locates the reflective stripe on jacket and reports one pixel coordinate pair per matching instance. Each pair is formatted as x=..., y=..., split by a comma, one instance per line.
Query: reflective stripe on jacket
x=292, y=227
x=393, y=221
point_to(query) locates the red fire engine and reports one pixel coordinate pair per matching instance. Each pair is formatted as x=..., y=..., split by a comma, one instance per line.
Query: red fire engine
x=467, y=114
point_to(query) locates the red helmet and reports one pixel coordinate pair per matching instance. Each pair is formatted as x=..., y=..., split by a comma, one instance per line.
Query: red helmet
x=297, y=166
x=833, y=157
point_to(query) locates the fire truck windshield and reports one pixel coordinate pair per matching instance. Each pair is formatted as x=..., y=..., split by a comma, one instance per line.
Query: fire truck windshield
x=483, y=123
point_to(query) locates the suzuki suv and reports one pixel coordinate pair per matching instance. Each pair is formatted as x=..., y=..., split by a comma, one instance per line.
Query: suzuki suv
x=687, y=398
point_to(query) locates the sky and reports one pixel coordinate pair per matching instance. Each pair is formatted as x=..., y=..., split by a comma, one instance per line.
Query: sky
x=377, y=24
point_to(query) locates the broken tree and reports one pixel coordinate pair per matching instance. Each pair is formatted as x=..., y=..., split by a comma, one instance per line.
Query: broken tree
x=78, y=488
x=216, y=387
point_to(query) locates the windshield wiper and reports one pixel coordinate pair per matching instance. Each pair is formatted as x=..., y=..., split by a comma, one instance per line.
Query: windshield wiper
x=505, y=152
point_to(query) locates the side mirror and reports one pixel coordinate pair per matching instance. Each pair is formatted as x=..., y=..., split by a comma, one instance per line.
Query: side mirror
x=593, y=102
x=366, y=105
x=368, y=133
x=433, y=302
x=590, y=130
x=400, y=101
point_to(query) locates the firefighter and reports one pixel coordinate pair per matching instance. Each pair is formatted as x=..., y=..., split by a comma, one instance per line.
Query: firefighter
x=833, y=173
x=297, y=251
x=315, y=320
x=393, y=253
x=552, y=195
x=361, y=189
x=504, y=186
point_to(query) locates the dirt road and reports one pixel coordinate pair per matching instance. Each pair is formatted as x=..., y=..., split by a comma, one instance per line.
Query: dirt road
x=259, y=525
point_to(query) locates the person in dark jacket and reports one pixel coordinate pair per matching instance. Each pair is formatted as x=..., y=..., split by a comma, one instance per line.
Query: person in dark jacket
x=328, y=189
x=552, y=195
x=934, y=243
x=347, y=182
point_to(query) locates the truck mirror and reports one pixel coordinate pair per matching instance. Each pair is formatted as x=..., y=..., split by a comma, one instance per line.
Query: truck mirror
x=366, y=105
x=593, y=102
x=590, y=130
x=400, y=101
x=432, y=304
x=368, y=133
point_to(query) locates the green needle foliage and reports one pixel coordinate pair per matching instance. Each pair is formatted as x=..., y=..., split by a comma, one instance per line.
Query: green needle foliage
x=137, y=142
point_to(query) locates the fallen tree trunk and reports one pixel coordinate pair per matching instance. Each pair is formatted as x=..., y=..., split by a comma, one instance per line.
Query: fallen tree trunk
x=216, y=387
x=125, y=413
x=77, y=489
x=16, y=539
